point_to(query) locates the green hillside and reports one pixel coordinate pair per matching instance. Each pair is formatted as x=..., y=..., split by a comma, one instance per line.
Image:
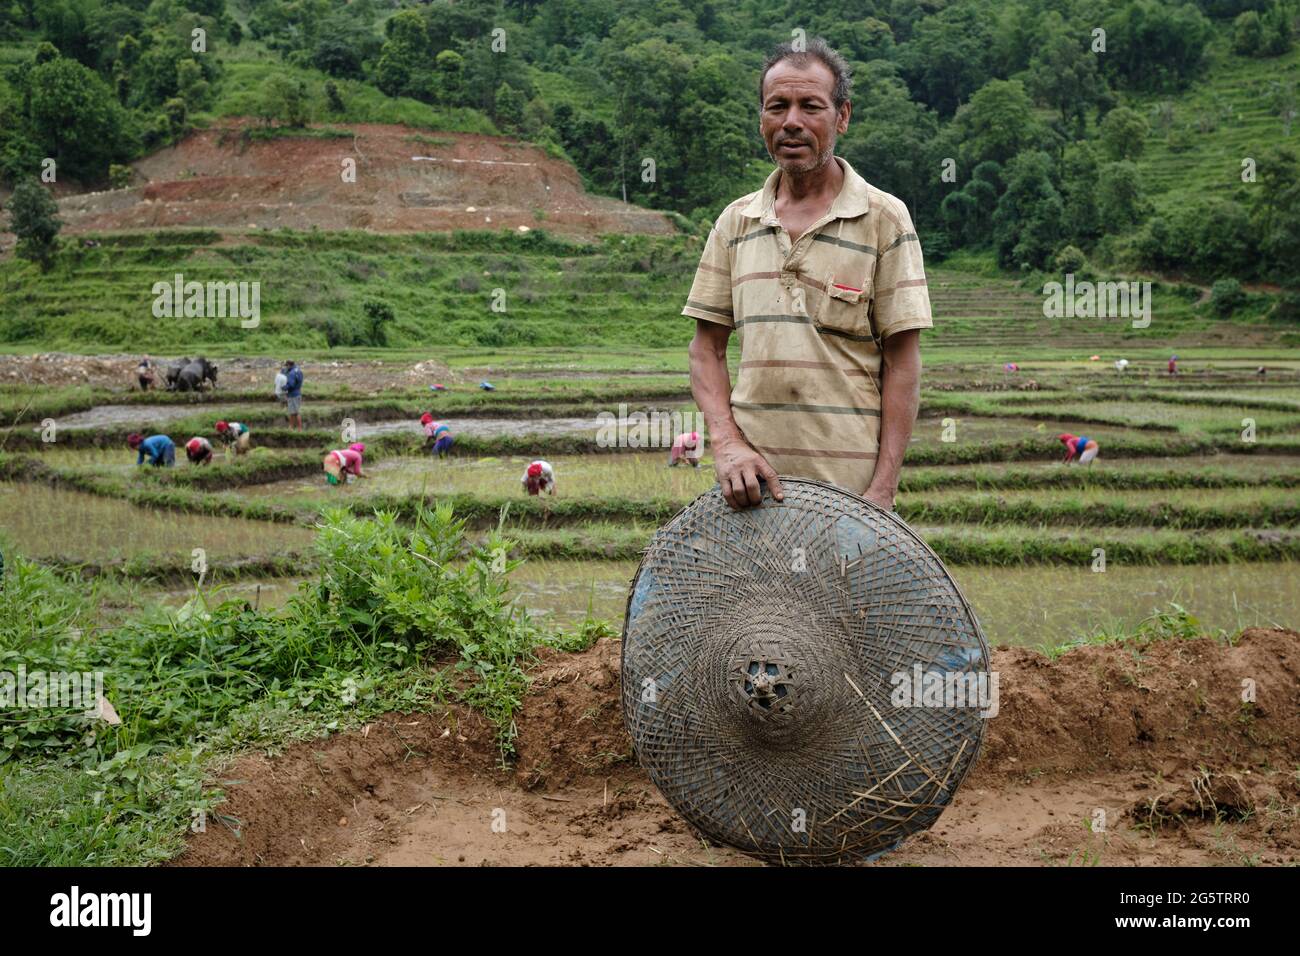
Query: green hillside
x=558, y=293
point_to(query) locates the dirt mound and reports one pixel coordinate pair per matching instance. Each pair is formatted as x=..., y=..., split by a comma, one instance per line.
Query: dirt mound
x=405, y=181
x=1112, y=754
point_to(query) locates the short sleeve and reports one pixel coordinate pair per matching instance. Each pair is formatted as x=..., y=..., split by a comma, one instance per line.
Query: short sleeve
x=901, y=297
x=710, y=295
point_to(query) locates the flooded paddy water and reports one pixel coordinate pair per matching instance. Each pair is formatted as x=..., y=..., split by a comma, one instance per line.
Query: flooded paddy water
x=107, y=416
x=44, y=522
x=1030, y=606
x=485, y=427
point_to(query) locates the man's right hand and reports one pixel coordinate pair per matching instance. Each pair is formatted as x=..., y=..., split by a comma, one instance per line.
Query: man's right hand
x=739, y=468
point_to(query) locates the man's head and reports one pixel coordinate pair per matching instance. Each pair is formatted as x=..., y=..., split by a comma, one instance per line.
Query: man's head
x=804, y=104
x=134, y=439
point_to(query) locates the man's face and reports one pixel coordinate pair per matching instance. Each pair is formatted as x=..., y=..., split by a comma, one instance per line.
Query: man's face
x=798, y=119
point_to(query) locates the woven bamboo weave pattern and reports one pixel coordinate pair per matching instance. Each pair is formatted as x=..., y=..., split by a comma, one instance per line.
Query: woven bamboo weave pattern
x=761, y=658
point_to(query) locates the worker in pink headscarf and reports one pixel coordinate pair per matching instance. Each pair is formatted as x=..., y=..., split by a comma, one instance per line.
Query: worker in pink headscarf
x=1079, y=447
x=686, y=447
x=341, y=463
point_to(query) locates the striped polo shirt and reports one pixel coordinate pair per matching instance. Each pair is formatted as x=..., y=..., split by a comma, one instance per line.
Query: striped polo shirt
x=810, y=316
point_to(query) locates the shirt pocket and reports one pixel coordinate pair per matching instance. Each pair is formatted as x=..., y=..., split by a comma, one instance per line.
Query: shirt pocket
x=845, y=307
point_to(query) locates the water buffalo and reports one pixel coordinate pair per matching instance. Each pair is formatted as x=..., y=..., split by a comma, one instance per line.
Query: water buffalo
x=173, y=371
x=192, y=376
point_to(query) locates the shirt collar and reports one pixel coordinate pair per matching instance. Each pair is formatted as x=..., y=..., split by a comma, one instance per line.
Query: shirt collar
x=852, y=199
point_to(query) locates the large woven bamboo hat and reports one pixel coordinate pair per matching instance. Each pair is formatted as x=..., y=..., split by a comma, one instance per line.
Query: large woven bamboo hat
x=802, y=680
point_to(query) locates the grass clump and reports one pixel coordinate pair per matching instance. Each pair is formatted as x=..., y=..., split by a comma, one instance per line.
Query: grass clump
x=399, y=615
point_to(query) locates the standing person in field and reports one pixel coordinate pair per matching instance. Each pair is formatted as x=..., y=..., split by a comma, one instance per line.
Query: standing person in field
x=159, y=449
x=199, y=451
x=1173, y=365
x=344, y=462
x=236, y=436
x=1079, y=447
x=538, y=477
x=686, y=447
x=438, y=434
x=820, y=273
x=144, y=374
x=293, y=394
x=282, y=383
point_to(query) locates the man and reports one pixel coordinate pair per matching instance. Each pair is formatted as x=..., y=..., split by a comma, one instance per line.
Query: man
x=821, y=274
x=144, y=374
x=293, y=394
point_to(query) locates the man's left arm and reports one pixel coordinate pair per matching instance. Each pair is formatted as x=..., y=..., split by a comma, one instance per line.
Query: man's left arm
x=900, y=398
x=900, y=309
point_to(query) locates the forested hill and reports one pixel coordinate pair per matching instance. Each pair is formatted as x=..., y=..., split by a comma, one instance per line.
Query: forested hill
x=1125, y=134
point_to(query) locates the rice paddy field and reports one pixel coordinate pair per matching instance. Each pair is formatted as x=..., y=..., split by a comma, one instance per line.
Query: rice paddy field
x=254, y=620
x=1189, y=506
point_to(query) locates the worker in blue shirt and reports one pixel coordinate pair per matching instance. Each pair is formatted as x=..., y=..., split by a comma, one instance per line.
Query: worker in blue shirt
x=159, y=449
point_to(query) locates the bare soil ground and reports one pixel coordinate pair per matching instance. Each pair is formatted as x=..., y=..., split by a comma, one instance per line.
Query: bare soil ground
x=1157, y=738
x=406, y=181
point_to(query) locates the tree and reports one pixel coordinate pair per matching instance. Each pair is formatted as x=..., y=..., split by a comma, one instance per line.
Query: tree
x=177, y=116
x=191, y=85
x=1152, y=46
x=74, y=117
x=1080, y=176
x=333, y=99
x=378, y=316
x=1247, y=34
x=284, y=99
x=998, y=123
x=1275, y=213
x=1120, y=200
x=947, y=58
x=1123, y=133
x=508, y=108
x=404, y=54
x=33, y=218
x=1027, y=223
x=449, y=67
x=1063, y=73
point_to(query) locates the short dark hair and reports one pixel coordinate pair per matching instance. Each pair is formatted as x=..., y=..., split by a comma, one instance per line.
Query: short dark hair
x=814, y=49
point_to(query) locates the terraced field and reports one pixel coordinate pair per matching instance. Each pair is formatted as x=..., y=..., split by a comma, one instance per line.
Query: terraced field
x=1176, y=500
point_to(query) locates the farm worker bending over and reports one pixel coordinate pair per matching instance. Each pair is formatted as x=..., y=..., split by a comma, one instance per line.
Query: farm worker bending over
x=1085, y=448
x=438, y=434
x=199, y=451
x=341, y=463
x=539, y=477
x=235, y=434
x=159, y=449
x=686, y=447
